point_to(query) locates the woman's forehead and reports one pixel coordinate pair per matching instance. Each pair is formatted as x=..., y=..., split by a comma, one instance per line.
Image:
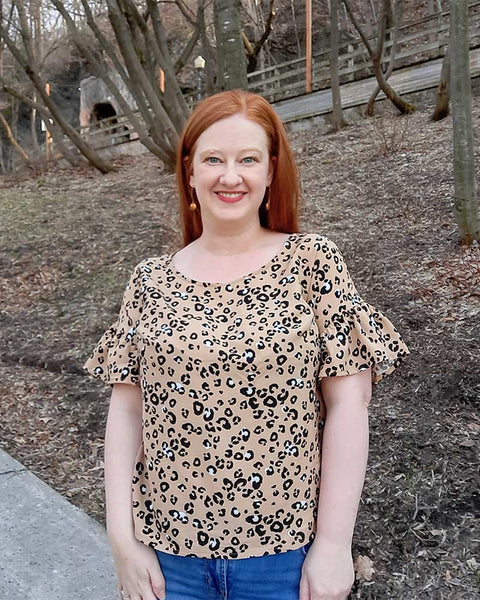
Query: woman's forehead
x=231, y=132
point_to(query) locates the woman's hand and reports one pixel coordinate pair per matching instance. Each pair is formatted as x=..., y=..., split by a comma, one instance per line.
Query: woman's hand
x=327, y=572
x=138, y=570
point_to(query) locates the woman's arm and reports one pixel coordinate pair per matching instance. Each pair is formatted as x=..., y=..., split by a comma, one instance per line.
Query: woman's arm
x=328, y=569
x=138, y=571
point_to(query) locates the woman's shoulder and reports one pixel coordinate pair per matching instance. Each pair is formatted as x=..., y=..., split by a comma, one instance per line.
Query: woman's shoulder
x=315, y=243
x=150, y=266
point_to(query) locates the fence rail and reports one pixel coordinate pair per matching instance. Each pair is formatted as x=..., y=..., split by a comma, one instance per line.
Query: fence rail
x=415, y=44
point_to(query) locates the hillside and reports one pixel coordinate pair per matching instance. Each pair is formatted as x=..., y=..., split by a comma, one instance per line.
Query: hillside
x=382, y=190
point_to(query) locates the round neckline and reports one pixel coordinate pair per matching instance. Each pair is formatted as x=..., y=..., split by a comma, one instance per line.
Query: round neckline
x=278, y=253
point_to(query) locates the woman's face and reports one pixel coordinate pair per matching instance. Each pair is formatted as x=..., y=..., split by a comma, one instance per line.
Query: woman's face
x=231, y=170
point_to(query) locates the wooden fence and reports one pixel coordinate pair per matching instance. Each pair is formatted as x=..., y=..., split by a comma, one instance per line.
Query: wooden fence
x=416, y=43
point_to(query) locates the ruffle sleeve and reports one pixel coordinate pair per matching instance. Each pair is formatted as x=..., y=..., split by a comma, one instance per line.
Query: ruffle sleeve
x=115, y=358
x=354, y=336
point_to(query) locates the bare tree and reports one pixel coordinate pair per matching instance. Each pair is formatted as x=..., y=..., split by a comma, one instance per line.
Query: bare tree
x=262, y=31
x=25, y=58
x=142, y=43
x=231, y=63
x=376, y=56
x=393, y=19
x=337, y=113
x=24, y=156
x=466, y=203
x=442, y=106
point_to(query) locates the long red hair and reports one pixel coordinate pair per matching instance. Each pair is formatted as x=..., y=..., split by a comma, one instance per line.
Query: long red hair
x=284, y=192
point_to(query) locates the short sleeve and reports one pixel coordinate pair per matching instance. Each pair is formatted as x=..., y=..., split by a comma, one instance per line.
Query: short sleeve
x=354, y=336
x=115, y=358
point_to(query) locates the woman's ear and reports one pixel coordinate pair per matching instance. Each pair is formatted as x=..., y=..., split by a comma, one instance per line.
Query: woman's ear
x=271, y=169
x=191, y=179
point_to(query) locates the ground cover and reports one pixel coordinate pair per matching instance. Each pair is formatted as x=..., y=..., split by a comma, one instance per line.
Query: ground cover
x=382, y=190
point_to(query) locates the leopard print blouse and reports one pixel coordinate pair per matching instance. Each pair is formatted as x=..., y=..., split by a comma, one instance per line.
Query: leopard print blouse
x=229, y=466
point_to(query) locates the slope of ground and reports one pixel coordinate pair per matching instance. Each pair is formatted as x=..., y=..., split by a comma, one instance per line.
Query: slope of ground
x=382, y=190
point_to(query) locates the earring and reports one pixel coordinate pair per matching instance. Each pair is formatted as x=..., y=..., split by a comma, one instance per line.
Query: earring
x=193, y=204
x=267, y=205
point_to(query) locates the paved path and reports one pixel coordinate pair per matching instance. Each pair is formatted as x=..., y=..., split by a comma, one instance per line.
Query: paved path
x=411, y=79
x=49, y=549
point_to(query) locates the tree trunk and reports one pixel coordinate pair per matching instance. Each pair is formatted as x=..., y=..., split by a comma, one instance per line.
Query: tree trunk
x=207, y=51
x=376, y=56
x=1, y=42
x=13, y=141
x=3, y=168
x=231, y=63
x=393, y=20
x=442, y=107
x=138, y=76
x=466, y=203
x=14, y=127
x=295, y=28
x=35, y=11
x=337, y=113
x=173, y=97
x=403, y=105
x=261, y=32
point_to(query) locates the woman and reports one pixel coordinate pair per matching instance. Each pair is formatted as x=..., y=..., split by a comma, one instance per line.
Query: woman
x=232, y=360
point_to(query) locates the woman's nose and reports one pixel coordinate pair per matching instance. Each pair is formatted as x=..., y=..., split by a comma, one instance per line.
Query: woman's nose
x=230, y=175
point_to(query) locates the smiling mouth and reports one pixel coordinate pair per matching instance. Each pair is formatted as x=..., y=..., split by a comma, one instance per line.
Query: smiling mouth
x=230, y=196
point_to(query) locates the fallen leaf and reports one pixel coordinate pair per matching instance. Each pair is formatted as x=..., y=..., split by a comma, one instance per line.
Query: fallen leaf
x=364, y=568
x=472, y=564
x=467, y=443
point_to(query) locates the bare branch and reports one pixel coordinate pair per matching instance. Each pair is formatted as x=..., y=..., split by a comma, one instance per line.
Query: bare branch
x=186, y=12
x=13, y=141
x=187, y=51
x=268, y=29
x=360, y=31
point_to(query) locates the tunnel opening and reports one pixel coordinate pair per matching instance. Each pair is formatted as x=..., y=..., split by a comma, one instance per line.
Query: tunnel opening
x=103, y=110
x=115, y=131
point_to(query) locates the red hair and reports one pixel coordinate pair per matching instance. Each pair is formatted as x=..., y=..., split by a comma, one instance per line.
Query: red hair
x=284, y=191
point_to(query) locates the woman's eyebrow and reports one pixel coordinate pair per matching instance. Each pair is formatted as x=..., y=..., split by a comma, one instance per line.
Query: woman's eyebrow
x=210, y=151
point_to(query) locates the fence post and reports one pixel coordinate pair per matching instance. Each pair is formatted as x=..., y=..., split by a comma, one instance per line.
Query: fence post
x=351, y=62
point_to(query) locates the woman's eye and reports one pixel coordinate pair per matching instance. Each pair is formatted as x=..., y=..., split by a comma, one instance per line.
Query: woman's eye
x=249, y=160
x=213, y=160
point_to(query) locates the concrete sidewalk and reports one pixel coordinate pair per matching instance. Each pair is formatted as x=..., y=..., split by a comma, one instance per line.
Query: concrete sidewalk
x=49, y=549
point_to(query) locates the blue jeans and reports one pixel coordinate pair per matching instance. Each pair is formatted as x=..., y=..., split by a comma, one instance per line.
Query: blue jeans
x=272, y=577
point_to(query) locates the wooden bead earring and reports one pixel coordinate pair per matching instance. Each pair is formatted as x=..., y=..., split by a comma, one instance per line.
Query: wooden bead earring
x=267, y=205
x=193, y=204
